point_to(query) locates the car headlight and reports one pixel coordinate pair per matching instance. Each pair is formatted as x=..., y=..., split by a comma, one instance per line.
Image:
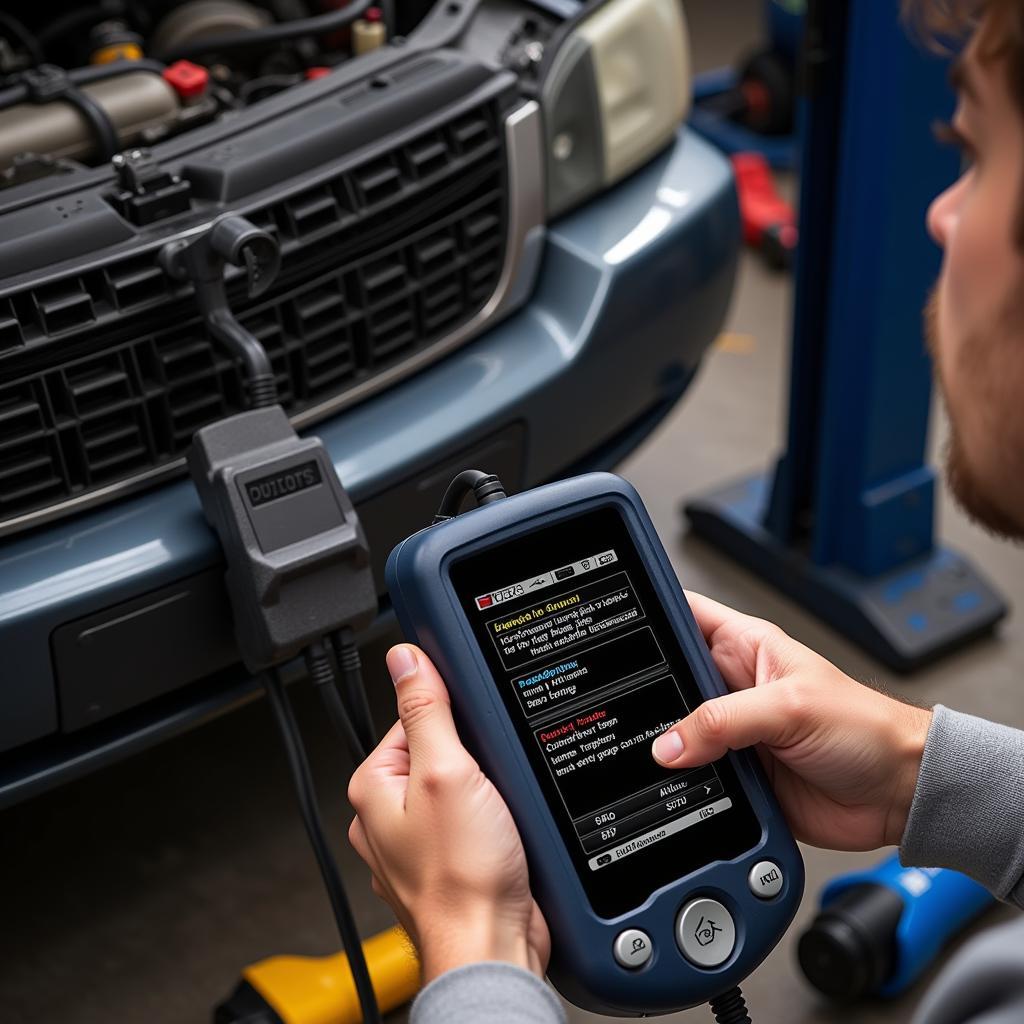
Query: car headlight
x=614, y=94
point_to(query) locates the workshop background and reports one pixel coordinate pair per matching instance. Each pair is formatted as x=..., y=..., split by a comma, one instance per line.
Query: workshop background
x=139, y=892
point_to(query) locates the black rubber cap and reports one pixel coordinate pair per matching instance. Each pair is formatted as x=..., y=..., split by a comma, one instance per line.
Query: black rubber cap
x=850, y=948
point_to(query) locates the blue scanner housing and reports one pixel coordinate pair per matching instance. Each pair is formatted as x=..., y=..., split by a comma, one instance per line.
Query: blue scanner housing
x=583, y=966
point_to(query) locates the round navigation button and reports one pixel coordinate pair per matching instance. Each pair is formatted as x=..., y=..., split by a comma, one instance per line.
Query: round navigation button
x=632, y=948
x=706, y=932
x=765, y=879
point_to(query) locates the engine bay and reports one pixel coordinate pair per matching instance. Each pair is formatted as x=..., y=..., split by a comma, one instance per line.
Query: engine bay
x=81, y=83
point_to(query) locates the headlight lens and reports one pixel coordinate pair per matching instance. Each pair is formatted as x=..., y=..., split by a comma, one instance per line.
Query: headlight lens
x=615, y=93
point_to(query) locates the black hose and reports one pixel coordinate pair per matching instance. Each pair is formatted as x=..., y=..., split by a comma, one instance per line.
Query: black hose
x=108, y=142
x=350, y=671
x=270, y=35
x=486, y=487
x=74, y=20
x=390, y=20
x=298, y=764
x=19, y=93
x=730, y=1007
x=17, y=30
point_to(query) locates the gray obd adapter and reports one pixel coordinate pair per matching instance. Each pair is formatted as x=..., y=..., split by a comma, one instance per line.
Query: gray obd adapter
x=298, y=561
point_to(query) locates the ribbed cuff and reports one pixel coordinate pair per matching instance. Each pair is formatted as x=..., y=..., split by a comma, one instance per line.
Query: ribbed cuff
x=968, y=807
x=498, y=993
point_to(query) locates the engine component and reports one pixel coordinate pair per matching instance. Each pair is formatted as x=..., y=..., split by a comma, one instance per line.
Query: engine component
x=368, y=33
x=199, y=19
x=114, y=40
x=139, y=104
x=147, y=191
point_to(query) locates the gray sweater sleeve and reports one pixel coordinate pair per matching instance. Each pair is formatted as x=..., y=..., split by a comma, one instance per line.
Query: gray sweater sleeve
x=968, y=807
x=497, y=993
x=983, y=984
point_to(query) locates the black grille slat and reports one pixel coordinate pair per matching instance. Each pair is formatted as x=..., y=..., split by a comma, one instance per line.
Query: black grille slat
x=377, y=181
x=31, y=468
x=63, y=306
x=135, y=282
x=380, y=262
x=10, y=329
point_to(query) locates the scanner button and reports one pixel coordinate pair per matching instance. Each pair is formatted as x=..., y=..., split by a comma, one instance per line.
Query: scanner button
x=632, y=948
x=706, y=932
x=765, y=879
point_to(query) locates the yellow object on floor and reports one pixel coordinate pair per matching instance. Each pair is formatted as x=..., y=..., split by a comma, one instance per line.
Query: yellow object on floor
x=320, y=990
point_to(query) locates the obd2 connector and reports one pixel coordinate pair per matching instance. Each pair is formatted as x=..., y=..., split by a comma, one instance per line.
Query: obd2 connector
x=297, y=556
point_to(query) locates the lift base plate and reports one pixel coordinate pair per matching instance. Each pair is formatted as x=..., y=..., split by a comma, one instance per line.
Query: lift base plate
x=905, y=618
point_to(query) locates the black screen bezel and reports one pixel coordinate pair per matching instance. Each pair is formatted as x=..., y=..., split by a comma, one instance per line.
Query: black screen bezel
x=625, y=885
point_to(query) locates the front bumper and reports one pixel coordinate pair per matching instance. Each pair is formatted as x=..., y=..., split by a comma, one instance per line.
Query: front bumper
x=632, y=289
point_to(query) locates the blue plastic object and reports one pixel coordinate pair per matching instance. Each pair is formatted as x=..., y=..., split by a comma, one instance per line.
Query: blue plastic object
x=937, y=904
x=433, y=577
x=847, y=519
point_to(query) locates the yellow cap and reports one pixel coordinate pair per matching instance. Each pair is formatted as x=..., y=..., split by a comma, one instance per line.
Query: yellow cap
x=116, y=51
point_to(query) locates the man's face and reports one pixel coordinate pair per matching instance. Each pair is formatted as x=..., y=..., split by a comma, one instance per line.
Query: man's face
x=976, y=318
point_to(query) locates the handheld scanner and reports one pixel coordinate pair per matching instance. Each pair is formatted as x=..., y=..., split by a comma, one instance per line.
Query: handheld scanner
x=567, y=646
x=879, y=930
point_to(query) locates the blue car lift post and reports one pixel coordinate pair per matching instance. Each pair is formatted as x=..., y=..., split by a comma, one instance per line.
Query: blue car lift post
x=844, y=525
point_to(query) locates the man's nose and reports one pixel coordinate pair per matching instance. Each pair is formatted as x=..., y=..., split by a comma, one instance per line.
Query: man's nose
x=942, y=214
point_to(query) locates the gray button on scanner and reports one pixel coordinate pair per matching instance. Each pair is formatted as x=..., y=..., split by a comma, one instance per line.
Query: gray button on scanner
x=632, y=948
x=706, y=932
x=765, y=879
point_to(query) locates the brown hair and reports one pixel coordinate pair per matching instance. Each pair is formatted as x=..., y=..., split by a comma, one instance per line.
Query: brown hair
x=946, y=23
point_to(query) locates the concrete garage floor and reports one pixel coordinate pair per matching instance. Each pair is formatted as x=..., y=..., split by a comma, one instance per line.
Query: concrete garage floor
x=137, y=894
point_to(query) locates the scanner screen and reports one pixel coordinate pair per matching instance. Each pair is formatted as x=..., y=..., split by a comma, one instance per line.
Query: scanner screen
x=590, y=671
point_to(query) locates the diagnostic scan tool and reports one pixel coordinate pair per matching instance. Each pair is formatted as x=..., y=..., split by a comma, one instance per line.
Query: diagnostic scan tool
x=567, y=646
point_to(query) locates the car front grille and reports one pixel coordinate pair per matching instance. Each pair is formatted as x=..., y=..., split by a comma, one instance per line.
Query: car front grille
x=105, y=375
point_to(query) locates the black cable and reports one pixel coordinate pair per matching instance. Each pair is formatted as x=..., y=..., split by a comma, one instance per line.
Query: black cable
x=303, y=780
x=270, y=35
x=318, y=665
x=390, y=21
x=730, y=1007
x=244, y=345
x=268, y=85
x=350, y=671
x=21, y=34
x=486, y=488
x=75, y=20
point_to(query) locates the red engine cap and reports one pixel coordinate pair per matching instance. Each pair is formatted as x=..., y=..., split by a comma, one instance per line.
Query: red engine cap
x=188, y=80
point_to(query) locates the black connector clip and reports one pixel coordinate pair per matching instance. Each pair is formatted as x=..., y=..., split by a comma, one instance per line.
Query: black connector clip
x=202, y=260
x=298, y=561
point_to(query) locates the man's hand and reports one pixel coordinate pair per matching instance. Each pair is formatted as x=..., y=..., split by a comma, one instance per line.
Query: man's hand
x=440, y=842
x=842, y=758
